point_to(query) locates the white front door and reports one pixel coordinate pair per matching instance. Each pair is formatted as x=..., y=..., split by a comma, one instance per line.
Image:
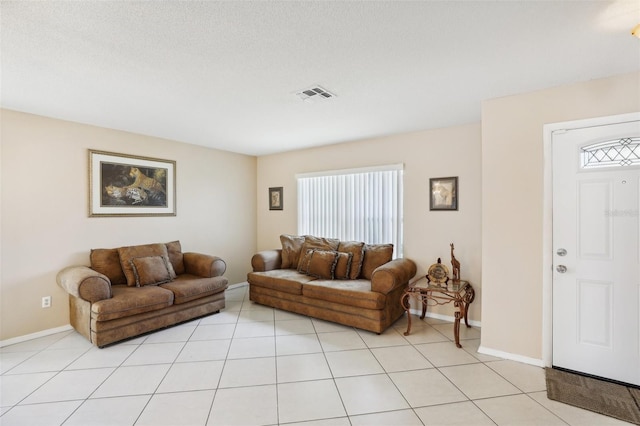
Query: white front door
x=596, y=255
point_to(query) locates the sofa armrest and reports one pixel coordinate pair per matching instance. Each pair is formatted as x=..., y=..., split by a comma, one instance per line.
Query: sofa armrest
x=267, y=260
x=392, y=274
x=85, y=283
x=204, y=265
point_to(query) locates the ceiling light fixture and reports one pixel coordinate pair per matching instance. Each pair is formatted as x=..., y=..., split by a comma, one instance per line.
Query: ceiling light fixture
x=636, y=31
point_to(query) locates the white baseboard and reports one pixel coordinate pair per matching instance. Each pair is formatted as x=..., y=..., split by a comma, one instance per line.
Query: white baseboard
x=447, y=318
x=236, y=285
x=32, y=336
x=510, y=356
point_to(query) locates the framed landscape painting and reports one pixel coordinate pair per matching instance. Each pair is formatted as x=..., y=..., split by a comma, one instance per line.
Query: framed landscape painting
x=129, y=185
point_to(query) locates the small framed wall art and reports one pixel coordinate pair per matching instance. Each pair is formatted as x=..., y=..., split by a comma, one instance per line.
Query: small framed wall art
x=275, y=198
x=444, y=193
x=128, y=185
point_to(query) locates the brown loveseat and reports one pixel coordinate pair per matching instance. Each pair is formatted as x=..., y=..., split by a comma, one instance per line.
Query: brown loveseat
x=350, y=283
x=132, y=290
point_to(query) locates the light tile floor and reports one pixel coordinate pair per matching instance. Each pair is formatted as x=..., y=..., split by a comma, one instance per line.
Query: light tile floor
x=254, y=365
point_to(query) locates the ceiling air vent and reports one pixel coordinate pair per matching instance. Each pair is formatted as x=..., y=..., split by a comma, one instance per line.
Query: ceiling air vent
x=314, y=94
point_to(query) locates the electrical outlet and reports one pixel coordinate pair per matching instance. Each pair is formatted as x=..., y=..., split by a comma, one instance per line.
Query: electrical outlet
x=46, y=302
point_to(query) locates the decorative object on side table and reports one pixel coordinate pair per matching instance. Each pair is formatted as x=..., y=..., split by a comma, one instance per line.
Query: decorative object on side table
x=275, y=198
x=455, y=265
x=438, y=273
x=128, y=185
x=444, y=193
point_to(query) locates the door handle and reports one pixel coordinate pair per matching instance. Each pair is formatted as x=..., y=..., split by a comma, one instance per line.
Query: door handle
x=561, y=252
x=561, y=269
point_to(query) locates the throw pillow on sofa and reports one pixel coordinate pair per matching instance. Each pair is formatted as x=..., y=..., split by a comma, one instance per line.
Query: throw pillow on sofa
x=152, y=270
x=321, y=243
x=107, y=262
x=325, y=264
x=291, y=249
x=305, y=258
x=343, y=266
x=375, y=255
x=131, y=252
x=326, y=244
x=176, y=257
x=356, y=249
x=322, y=264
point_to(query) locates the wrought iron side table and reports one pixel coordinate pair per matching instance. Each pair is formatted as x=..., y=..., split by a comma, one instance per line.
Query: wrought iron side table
x=459, y=292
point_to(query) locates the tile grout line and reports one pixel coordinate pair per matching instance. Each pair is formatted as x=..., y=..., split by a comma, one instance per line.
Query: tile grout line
x=275, y=360
x=217, y=389
x=121, y=365
x=57, y=372
x=333, y=378
x=244, y=302
x=153, y=394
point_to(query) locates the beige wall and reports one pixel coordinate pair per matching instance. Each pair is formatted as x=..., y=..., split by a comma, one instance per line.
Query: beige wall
x=513, y=166
x=223, y=204
x=453, y=151
x=44, y=221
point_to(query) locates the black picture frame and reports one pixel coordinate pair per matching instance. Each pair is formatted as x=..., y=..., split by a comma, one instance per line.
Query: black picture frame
x=443, y=193
x=275, y=198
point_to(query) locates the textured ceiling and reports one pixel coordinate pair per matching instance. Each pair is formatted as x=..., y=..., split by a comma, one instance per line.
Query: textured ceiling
x=224, y=74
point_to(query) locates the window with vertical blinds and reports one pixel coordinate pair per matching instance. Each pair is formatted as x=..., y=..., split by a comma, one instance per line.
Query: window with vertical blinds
x=353, y=205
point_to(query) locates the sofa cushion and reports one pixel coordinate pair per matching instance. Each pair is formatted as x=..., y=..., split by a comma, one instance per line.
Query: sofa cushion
x=343, y=266
x=174, y=249
x=129, y=253
x=311, y=242
x=347, y=292
x=285, y=280
x=152, y=270
x=188, y=287
x=305, y=258
x=127, y=301
x=357, y=250
x=322, y=264
x=291, y=248
x=375, y=255
x=331, y=311
x=107, y=262
x=321, y=243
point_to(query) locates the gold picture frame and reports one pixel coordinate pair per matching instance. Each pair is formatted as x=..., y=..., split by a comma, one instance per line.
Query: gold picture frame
x=130, y=185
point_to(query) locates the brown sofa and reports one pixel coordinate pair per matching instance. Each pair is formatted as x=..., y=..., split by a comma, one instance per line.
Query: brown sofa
x=350, y=283
x=132, y=290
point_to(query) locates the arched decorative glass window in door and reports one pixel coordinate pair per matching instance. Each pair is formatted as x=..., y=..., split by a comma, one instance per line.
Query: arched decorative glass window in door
x=613, y=153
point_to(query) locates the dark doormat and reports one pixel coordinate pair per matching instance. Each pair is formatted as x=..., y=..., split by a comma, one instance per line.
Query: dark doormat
x=610, y=399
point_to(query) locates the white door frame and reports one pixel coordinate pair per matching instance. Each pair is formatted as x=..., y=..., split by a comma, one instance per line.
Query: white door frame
x=547, y=221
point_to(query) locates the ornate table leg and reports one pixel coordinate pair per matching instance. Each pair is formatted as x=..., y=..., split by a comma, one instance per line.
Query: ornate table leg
x=407, y=306
x=423, y=300
x=456, y=324
x=468, y=298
